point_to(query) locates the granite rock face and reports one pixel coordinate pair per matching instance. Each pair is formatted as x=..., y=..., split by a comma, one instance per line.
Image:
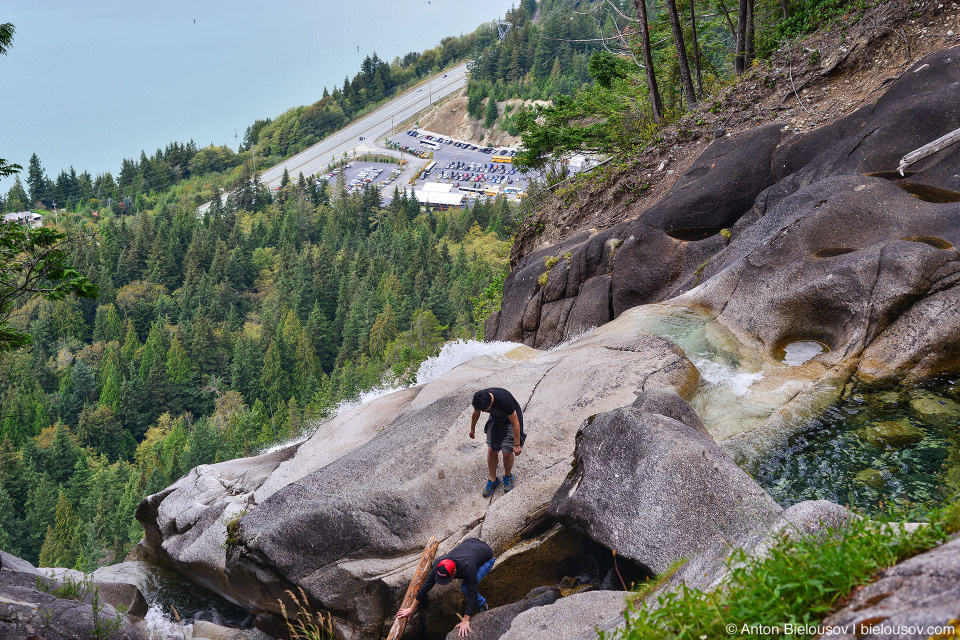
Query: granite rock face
x=795, y=209
x=344, y=515
x=26, y=610
x=576, y=617
x=493, y=624
x=656, y=490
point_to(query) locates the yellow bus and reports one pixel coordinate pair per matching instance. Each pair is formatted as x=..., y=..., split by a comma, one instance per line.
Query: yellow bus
x=507, y=159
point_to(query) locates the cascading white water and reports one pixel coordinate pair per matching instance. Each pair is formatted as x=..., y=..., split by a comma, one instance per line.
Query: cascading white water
x=452, y=355
x=160, y=626
x=455, y=353
x=720, y=373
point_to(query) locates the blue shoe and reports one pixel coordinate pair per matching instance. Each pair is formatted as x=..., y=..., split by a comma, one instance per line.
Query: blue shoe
x=491, y=486
x=508, y=483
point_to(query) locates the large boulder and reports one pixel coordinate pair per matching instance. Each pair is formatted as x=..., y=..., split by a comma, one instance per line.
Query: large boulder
x=492, y=624
x=110, y=584
x=344, y=515
x=576, y=617
x=10, y=562
x=31, y=605
x=657, y=490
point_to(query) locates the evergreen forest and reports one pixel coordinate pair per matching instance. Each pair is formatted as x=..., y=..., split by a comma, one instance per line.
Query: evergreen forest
x=217, y=337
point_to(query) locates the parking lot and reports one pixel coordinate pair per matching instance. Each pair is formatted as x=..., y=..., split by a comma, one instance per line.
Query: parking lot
x=469, y=167
x=358, y=174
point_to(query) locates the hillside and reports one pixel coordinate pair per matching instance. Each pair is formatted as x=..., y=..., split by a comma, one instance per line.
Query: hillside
x=735, y=351
x=802, y=85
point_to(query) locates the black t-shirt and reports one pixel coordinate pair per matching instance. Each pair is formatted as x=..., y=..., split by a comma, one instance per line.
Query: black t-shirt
x=504, y=404
x=468, y=556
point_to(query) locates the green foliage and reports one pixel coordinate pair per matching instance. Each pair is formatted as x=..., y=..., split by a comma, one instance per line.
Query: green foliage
x=605, y=67
x=799, y=581
x=492, y=113
x=268, y=318
x=35, y=263
x=808, y=16
x=233, y=530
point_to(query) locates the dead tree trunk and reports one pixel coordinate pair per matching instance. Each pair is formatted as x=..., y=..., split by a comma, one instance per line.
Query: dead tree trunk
x=655, y=104
x=426, y=564
x=685, y=79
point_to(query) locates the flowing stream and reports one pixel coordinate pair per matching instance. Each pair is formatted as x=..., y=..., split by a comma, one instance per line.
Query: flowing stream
x=877, y=450
x=873, y=450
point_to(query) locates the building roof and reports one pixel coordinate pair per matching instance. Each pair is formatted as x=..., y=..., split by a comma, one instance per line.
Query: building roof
x=445, y=195
x=437, y=187
x=22, y=216
x=448, y=199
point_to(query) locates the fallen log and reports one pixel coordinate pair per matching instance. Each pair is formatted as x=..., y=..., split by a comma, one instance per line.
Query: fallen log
x=426, y=564
x=929, y=149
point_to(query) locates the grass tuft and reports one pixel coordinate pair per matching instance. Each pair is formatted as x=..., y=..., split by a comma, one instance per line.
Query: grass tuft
x=307, y=625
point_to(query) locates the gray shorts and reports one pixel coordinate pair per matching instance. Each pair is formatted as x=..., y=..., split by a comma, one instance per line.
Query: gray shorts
x=507, y=445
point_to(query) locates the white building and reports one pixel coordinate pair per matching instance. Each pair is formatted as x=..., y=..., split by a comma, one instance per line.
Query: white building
x=29, y=218
x=439, y=196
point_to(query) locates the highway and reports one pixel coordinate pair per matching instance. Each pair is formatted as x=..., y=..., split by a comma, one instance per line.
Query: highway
x=372, y=127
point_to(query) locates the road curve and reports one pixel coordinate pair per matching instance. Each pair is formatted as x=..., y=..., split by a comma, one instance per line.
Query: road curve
x=372, y=126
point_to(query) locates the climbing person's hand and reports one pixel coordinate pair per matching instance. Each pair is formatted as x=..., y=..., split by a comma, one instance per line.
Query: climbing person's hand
x=405, y=613
x=463, y=629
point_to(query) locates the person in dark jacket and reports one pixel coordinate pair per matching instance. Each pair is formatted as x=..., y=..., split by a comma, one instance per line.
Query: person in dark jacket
x=503, y=425
x=469, y=561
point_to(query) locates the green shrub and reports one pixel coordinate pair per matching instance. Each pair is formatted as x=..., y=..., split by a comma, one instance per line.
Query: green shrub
x=799, y=582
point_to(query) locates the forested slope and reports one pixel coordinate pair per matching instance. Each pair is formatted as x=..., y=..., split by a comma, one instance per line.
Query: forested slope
x=215, y=337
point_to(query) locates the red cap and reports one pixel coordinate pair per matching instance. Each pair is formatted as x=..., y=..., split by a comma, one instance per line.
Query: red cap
x=445, y=570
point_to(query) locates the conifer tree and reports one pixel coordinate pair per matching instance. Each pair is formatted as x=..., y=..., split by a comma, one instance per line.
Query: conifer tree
x=10, y=524
x=111, y=379
x=61, y=546
x=40, y=512
x=178, y=365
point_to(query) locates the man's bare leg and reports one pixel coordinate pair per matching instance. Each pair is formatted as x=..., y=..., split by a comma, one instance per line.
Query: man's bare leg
x=493, y=460
x=508, y=463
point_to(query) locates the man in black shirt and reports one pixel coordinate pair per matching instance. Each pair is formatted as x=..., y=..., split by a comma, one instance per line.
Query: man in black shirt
x=469, y=561
x=503, y=425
